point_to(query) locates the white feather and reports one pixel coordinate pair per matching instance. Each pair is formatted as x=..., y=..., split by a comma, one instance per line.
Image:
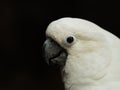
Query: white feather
x=93, y=61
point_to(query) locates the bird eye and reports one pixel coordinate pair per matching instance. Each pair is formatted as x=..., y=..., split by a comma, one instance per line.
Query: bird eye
x=70, y=39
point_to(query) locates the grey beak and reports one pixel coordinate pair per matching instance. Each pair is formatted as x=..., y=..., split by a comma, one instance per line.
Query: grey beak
x=54, y=53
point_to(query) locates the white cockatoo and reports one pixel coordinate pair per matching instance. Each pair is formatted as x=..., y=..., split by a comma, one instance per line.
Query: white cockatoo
x=88, y=55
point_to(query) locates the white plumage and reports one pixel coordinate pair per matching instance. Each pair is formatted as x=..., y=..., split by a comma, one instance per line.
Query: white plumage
x=93, y=60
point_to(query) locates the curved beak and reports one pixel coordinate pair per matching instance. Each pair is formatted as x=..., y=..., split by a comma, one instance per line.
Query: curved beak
x=54, y=53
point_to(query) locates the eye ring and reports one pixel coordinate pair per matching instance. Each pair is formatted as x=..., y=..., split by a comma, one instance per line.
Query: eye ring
x=70, y=39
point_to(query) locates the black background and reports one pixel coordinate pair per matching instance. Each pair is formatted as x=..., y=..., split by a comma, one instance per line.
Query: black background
x=22, y=33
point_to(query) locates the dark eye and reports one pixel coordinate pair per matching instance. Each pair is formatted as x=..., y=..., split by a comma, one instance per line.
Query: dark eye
x=70, y=39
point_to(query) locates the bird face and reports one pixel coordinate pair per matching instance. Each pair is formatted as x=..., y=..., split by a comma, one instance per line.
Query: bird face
x=64, y=39
x=79, y=46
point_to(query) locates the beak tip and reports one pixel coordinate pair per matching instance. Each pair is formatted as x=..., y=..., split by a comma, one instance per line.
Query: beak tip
x=47, y=61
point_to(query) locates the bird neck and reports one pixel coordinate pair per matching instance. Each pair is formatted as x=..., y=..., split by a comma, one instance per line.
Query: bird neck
x=109, y=86
x=73, y=81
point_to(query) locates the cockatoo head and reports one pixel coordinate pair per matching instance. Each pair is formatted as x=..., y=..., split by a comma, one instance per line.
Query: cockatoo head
x=80, y=47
